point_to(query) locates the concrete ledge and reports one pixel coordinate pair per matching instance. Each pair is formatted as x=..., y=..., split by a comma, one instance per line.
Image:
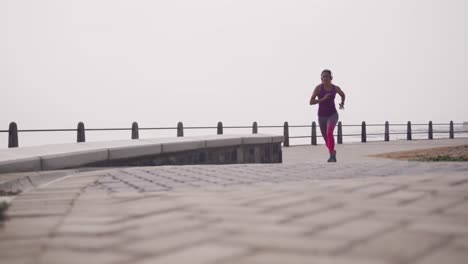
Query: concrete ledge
x=73, y=159
x=256, y=139
x=182, y=146
x=277, y=139
x=222, y=141
x=14, y=183
x=216, y=149
x=134, y=151
x=260, y=153
x=19, y=164
x=127, y=148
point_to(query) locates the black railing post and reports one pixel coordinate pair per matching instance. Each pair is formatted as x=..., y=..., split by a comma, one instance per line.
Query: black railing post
x=180, y=129
x=340, y=133
x=80, y=133
x=452, y=132
x=314, y=134
x=387, y=131
x=286, y=134
x=363, y=132
x=135, y=134
x=13, y=135
x=409, y=135
x=430, y=132
x=220, y=128
x=254, y=128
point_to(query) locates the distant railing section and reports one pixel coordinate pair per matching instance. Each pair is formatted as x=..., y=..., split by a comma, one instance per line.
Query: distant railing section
x=13, y=139
x=386, y=134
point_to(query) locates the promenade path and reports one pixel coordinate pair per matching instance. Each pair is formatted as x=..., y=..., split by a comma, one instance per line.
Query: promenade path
x=305, y=210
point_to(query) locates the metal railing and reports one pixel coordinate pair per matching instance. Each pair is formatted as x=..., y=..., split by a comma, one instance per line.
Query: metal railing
x=13, y=131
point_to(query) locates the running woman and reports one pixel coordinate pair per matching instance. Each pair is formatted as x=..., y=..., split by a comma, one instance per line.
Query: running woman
x=327, y=114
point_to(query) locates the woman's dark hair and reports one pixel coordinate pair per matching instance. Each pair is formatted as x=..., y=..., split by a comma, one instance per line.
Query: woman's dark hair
x=324, y=71
x=327, y=71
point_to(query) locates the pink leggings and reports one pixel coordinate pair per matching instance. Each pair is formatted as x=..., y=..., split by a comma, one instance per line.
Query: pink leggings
x=327, y=126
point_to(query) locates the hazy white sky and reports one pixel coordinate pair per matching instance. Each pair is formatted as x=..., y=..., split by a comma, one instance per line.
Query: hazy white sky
x=108, y=62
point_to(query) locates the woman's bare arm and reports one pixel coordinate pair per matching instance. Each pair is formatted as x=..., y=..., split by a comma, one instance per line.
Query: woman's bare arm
x=315, y=94
x=343, y=96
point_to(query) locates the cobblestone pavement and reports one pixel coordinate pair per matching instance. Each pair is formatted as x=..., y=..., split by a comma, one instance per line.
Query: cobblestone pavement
x=372, y=211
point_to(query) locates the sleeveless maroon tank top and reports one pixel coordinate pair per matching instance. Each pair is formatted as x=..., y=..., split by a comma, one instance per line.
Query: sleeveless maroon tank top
x=327, y=107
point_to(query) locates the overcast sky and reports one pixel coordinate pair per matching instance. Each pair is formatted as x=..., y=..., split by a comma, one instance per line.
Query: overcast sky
x=109, y=63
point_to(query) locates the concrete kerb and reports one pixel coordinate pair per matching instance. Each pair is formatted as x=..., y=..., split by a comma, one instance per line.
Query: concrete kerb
x=14, y=183
x=20, y=165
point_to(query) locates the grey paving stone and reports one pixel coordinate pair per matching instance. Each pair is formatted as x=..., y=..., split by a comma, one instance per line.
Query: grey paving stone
x=459, y=210
x=329, y=217
x=96, y=243
x=293, y=244
x=200, y=254
x=445, y=255
x=460, y=243
x=60, y=256
x=18, y=248
x=267, y=257
x=440, y=224
x=261, y=229
x=165, y=243
x=399, y=246
x=357, y=230
x=29, y=227
x=175, y=227
x=92, y=230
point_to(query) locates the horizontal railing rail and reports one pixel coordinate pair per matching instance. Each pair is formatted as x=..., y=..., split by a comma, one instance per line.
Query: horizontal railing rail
x=13, y=131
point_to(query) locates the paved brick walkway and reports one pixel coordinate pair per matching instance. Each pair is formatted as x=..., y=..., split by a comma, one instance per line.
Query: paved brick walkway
x=357, y=211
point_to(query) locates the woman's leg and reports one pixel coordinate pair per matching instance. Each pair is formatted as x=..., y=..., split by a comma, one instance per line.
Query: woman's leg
x=323, y=128
x=331, y=124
